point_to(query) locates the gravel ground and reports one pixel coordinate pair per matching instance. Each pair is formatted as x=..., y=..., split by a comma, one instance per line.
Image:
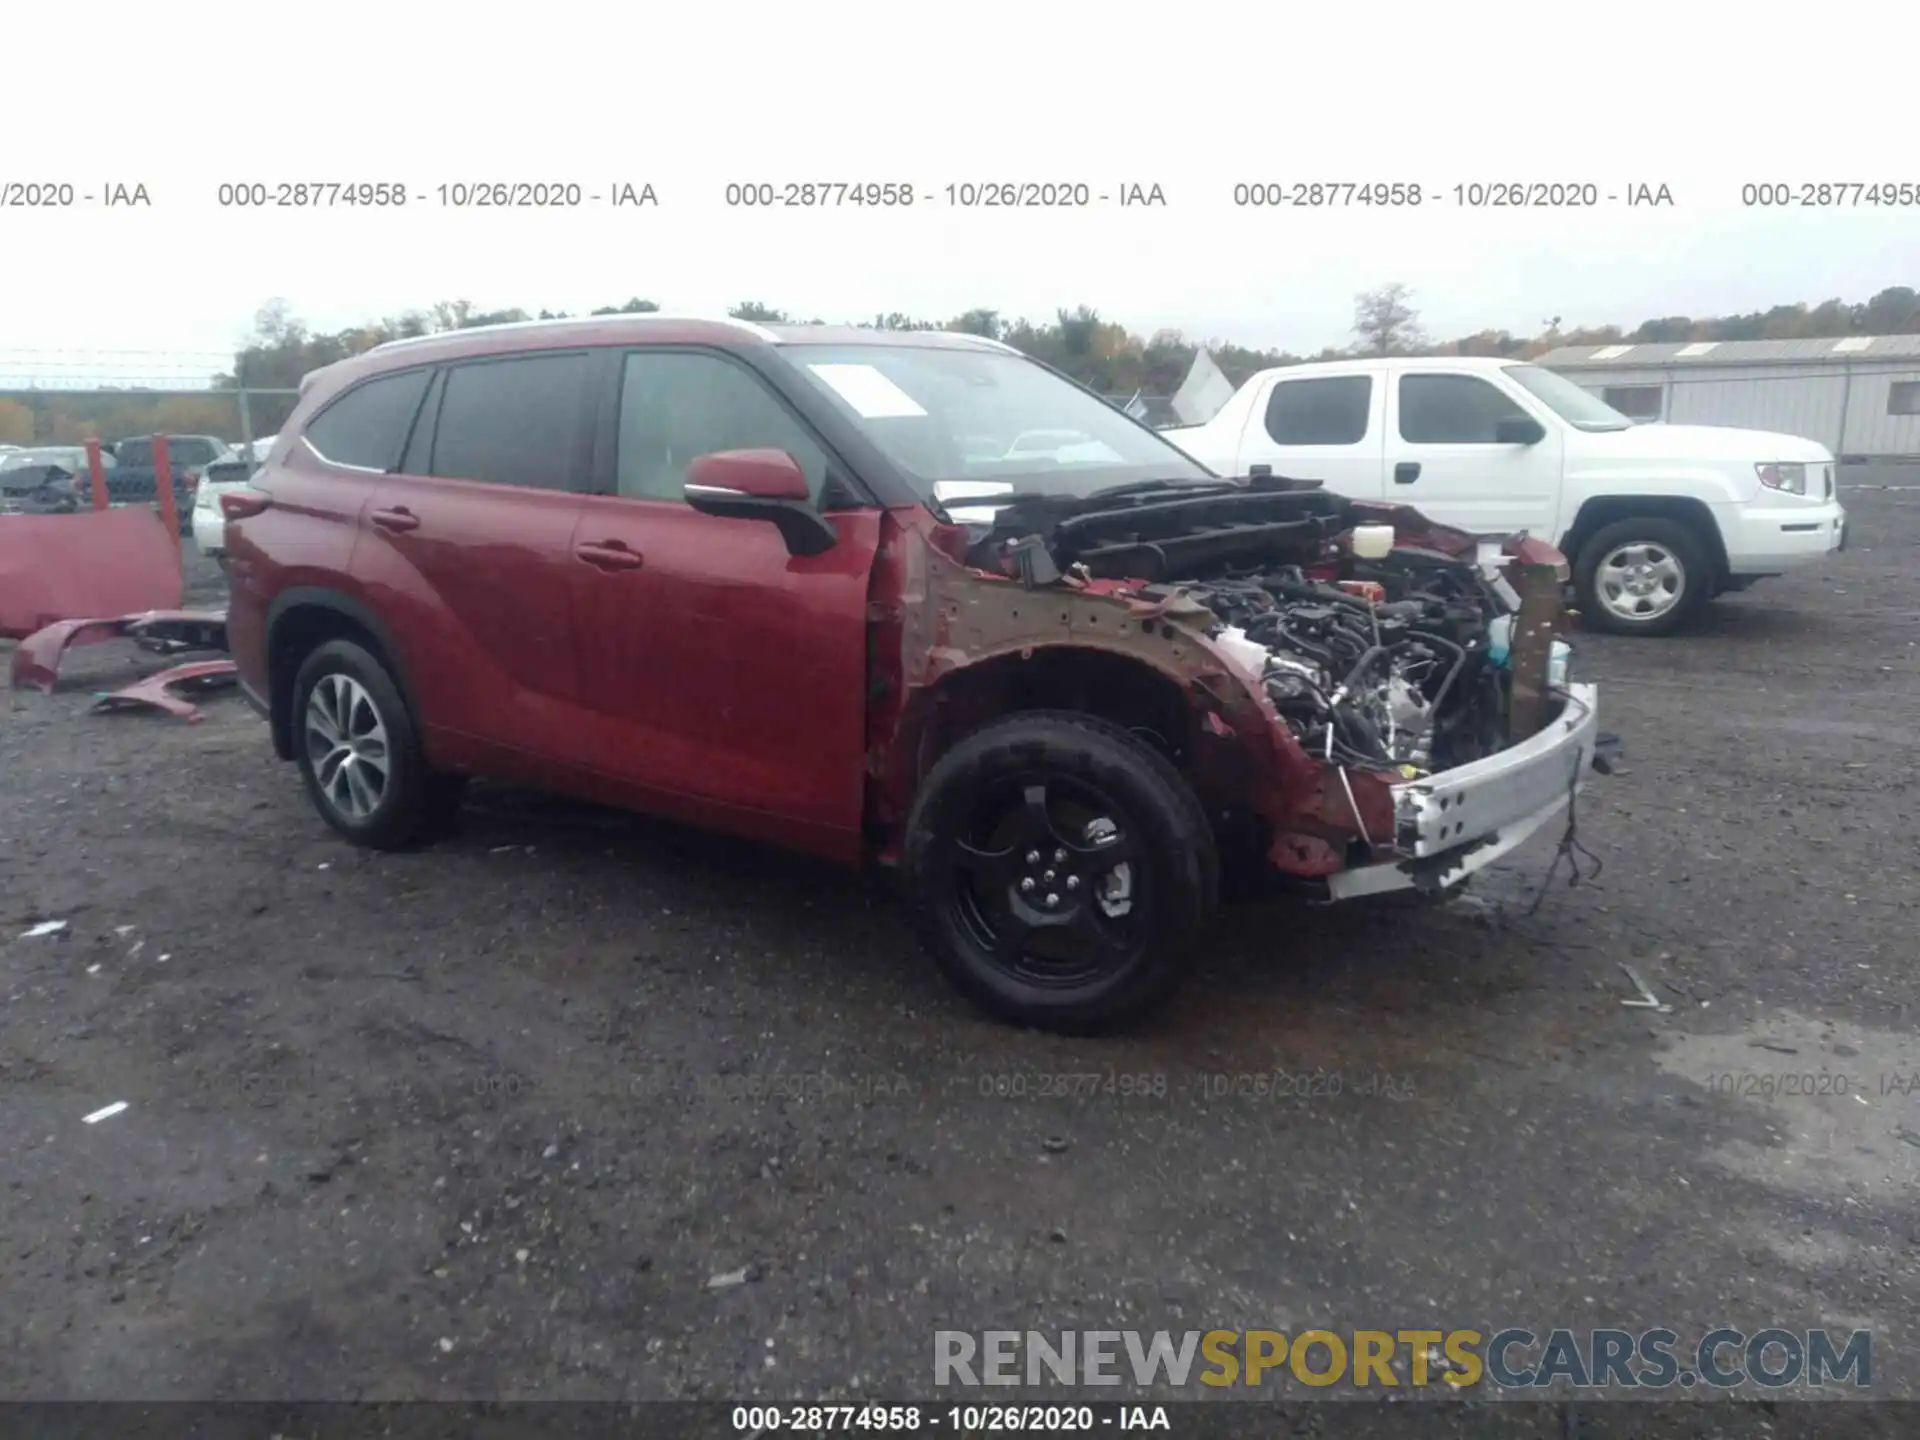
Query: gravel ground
x=578, y=1105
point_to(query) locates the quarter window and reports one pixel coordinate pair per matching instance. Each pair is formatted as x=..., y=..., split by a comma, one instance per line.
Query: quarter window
x=1452, y=410
x=366, y=426
x=511, y=422
x=1636, y=402
x=1330, y=410
x=676, y=405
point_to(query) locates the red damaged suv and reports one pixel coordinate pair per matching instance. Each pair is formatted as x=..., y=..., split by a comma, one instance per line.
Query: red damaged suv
x=907, y=599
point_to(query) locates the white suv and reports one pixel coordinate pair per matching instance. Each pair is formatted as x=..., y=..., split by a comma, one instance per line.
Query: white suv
x=229, y=472
x=1655, y=518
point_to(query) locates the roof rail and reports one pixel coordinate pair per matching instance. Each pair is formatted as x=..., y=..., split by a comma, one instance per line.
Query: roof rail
x=757, y=331
x=983, y=339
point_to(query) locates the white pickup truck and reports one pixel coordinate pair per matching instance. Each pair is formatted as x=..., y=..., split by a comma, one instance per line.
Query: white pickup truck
x=1656, y=519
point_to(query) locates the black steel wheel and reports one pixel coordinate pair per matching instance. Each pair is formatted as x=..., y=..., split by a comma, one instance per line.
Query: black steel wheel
x=1060, y=870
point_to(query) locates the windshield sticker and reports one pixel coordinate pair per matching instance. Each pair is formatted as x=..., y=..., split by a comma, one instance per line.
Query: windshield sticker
x=970, y=489
x=872, y=395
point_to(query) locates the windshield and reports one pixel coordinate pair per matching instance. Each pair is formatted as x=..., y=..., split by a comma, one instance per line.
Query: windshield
x=974, y=424
x=1580, y=408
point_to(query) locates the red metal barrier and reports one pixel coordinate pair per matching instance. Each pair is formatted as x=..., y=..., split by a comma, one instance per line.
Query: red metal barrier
x=163, y=488
x=97, y=471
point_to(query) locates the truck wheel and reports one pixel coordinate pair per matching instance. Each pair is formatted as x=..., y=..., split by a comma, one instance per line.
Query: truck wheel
x=359, y=755
x=1641, y=577
x=1059, y=871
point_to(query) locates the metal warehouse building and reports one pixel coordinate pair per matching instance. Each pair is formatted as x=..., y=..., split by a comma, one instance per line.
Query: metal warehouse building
x=1859, y=396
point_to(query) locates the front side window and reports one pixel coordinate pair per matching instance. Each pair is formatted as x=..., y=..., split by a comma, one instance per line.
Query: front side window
x=511, y=422
x=1453, y=410
x=676, y=405
x=1327, y=410
x=366, y=426
x=1576, y=404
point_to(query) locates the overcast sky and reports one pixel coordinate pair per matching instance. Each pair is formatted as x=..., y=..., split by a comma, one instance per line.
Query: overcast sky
x=1194, y=97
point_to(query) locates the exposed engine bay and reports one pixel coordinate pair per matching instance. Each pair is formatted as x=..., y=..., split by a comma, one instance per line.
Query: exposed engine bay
x=1381, y=656
x=1392, y=668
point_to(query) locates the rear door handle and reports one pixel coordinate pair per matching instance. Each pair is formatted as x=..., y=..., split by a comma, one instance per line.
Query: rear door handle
x=609, y=555
x=397, y=519
x=1406, y=472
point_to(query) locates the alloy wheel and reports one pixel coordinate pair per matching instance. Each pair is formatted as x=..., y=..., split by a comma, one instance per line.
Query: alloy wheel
x=1640, y=581
x=346, y=745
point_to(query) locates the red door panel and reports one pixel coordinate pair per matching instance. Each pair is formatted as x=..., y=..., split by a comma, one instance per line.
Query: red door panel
x=722, y=679
x=473, y=580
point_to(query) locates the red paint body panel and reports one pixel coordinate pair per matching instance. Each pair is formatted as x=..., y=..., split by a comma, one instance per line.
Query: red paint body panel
x=156, y=692
x=475, y=595
x=305, y=537
x=36, y=660
x=93, y=562
x=725, y=680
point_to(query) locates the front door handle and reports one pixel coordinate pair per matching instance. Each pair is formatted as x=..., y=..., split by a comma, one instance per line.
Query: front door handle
x=397, y=519
x=609, y=555
x=1406, y=472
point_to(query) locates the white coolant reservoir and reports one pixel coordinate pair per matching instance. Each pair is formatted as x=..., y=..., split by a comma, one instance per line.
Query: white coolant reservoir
x=1250, y=654
x=1499, y=646
x=1372, y=542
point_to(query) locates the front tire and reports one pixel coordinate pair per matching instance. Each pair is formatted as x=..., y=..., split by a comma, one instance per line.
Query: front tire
x=1059, y=871
x=359, y=753
x=1644, y=576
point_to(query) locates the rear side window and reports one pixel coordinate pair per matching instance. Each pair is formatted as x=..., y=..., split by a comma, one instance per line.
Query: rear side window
x=1453, y=410
x=1330, y=410
x=511, y=422
x=366, y=427
x=677, y=405
x=135, y=452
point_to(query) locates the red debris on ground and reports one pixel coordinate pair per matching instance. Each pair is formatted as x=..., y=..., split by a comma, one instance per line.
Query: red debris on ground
x=36, y=661
x=157, y=691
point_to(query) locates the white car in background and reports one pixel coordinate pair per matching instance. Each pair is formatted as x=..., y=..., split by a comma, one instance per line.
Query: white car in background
x=231, y=471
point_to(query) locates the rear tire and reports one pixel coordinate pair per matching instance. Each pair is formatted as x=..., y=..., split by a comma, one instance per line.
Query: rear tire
x=1644, y=576
x=1059, y=871
x=359, y=753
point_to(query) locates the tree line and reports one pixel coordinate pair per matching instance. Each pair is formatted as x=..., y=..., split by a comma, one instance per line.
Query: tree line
x=1100, y=353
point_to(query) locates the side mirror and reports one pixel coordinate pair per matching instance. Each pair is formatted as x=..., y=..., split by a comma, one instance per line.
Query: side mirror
x=1518, y=430
x=760, y=485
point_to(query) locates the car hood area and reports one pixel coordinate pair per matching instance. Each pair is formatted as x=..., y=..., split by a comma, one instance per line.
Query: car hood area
x=1698, y=442
x=1306, y=652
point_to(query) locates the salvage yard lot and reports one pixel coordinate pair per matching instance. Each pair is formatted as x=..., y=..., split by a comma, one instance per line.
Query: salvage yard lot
x=582, y=1105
